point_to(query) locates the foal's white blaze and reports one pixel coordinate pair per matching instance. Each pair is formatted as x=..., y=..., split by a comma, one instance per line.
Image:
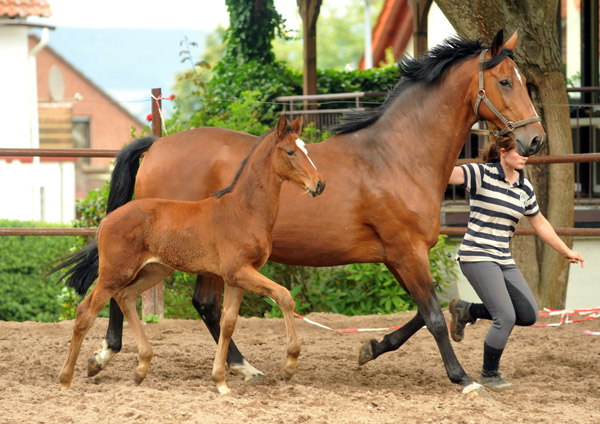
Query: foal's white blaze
x=301, y=145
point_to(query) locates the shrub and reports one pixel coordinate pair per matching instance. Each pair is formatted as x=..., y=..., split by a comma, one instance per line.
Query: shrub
x=25, y=293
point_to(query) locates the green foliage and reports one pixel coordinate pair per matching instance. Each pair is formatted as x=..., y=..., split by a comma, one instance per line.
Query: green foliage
x=253, y=26
x=25, y=293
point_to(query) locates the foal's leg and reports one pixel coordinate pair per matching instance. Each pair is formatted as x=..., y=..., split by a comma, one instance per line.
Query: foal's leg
x=148, y=277
x=207, y=301
x=87, y=312
x=249, y=279
x=231, y=307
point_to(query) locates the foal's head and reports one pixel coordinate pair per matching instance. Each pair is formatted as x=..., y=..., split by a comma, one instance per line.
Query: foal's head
x=291, y=159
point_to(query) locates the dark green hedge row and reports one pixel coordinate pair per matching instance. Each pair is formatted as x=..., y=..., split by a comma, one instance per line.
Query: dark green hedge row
x=25, y=293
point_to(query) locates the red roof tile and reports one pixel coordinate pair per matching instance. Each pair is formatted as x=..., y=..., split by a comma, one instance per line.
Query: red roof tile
x=24, y=8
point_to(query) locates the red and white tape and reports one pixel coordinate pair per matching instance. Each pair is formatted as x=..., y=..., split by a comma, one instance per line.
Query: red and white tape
x=565, y=318
x=567, y=314
x=344, y=330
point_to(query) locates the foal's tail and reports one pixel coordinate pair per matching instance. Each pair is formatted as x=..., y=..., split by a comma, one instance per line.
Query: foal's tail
x=82, y=266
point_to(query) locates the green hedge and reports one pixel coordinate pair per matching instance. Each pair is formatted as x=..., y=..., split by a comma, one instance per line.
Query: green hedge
x=25, y=293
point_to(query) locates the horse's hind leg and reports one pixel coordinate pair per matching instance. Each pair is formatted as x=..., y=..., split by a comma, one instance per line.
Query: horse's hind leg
x=392, y=341
x=87, y=312
x=207, y=301
x=148, y=277
x=111, y=344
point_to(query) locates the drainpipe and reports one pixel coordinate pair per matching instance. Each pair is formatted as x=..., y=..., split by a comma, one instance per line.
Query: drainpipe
x=38, y=212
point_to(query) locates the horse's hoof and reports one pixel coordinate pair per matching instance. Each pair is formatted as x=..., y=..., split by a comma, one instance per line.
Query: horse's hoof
x=65, y=387
x=223, y=389
x=475, y=390
x=94, y=366
x=366, y=352
x=246, y=370
x=138, y=379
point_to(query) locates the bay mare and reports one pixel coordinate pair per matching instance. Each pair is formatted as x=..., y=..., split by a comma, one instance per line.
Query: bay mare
x=228, y=235
x=386, y=169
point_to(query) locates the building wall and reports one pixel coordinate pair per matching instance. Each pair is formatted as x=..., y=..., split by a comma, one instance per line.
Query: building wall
x=14, y=77
x=109, y=123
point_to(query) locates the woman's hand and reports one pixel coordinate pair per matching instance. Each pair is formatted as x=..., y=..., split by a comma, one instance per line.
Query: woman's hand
x=574, y=257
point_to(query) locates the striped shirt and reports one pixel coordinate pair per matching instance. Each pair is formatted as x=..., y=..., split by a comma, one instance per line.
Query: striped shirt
x=496, y=207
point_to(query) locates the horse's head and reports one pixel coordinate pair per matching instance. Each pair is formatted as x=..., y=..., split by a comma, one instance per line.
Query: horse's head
x=502, y=97
x=291, y=158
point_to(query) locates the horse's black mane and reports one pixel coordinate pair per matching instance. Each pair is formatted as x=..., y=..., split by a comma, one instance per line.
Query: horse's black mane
x=428, y=69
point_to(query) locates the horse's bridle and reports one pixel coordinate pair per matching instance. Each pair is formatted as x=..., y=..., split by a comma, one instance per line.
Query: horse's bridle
x=481, y=95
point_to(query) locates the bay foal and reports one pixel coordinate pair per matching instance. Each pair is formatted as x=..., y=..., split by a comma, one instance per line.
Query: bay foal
x=229, y=235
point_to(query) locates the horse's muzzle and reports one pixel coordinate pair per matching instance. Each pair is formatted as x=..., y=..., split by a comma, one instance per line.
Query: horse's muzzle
x=318, y=190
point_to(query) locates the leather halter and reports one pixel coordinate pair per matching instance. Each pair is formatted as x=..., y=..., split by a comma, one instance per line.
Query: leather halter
x=481, y=95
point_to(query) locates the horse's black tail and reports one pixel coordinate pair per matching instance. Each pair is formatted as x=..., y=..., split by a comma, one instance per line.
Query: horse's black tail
x=82, y=266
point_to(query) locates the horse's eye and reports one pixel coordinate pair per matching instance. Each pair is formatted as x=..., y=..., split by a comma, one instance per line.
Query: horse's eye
x=506, y=83
x=290, y=153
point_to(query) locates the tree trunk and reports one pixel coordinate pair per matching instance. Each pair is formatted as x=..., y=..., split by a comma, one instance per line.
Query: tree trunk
x=538, y=57
x=309, y=12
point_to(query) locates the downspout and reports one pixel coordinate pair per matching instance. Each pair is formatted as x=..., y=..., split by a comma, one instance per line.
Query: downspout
x=35, y=126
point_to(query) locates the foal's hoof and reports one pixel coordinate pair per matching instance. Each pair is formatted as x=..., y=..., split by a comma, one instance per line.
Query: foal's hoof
x=223, y=389
x=475, y=390
x=366, y=352
x=246, y=370
x=138, y=379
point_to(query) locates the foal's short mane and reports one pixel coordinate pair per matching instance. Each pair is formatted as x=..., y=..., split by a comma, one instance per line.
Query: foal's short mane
x=429, y=69
x=229, y=188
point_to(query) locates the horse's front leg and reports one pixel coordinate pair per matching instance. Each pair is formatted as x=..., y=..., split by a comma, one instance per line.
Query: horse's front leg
x=207, y=301
x=413, y=269
x=111, y=345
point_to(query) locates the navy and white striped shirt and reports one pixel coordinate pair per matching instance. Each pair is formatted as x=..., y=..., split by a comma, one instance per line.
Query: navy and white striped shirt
x=496, y=207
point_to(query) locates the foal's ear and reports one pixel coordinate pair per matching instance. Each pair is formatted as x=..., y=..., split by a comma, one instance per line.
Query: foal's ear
x=282, y=126
x=297, y=125
x=498, y=42
x=511, y=43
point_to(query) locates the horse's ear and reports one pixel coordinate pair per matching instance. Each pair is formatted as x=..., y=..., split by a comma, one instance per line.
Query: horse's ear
x=498, y=42
x=297, y=125
x=511, y=43
x=282, y=126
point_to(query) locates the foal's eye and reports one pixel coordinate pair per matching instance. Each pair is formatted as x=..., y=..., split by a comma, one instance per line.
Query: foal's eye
x=506, y=83
x=290, y=153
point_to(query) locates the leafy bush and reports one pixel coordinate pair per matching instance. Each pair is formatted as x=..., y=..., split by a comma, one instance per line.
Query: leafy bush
x=25, y=293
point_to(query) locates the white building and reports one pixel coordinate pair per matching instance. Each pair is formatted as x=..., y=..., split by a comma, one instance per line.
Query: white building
x=31, y=188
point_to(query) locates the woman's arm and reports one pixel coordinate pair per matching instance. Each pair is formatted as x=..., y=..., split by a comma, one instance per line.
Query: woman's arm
x=545, y=231
x=457, y=177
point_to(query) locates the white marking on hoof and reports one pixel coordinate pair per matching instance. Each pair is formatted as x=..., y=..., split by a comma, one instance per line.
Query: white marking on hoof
x=246, y=370
x=475, y=390
x=100, y=359
x=224, y=390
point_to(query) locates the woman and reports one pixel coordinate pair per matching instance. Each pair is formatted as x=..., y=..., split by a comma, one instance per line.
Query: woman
x=499, y=196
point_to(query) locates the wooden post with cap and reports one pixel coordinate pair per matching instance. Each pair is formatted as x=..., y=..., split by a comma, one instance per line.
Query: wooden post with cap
x=153, y=299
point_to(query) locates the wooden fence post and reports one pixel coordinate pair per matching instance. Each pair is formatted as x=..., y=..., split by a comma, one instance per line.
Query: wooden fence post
x=153, y=299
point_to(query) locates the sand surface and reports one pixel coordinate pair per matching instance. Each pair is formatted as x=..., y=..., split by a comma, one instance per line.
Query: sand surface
x=555, y=372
